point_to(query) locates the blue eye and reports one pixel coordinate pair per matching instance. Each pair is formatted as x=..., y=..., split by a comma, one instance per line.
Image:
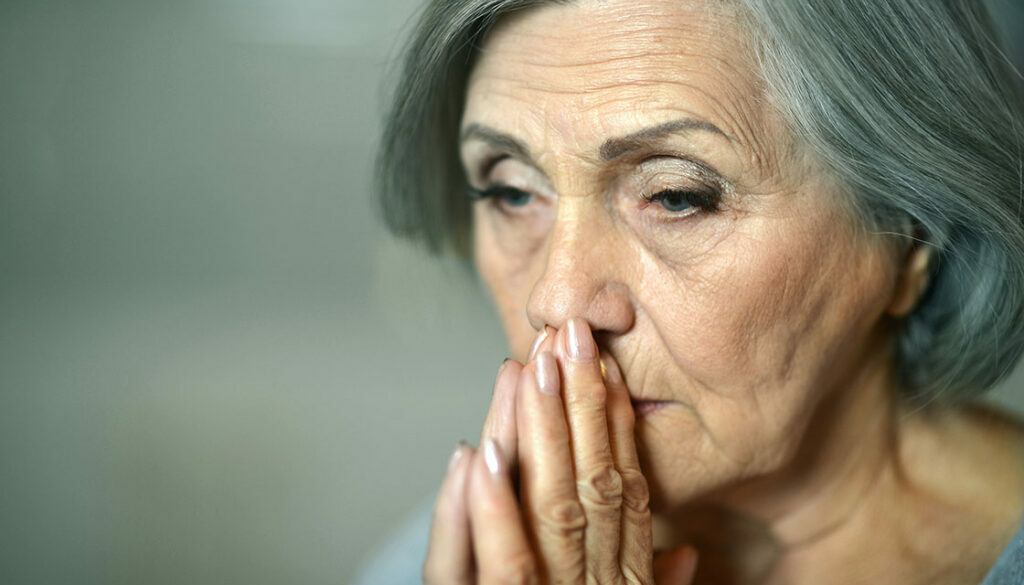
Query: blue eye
x=677, y=201
x=508, y=196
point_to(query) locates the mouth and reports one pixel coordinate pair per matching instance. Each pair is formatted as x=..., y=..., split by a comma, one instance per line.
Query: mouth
x=647, y=407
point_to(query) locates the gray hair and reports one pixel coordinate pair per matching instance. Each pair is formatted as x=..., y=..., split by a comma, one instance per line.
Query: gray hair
x=910, y=103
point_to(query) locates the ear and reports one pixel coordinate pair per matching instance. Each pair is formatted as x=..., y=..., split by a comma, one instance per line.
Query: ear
x=912, y=280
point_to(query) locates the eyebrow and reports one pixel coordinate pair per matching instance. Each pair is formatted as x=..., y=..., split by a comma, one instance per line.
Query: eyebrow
x=496, y=139
x=616, y=147
x=612, y=148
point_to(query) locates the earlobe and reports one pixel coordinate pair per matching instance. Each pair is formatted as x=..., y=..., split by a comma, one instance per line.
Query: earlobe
x=912, y=280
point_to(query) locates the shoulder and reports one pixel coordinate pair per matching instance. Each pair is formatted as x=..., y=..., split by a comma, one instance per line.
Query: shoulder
x=965, y=468
x=1009, y=569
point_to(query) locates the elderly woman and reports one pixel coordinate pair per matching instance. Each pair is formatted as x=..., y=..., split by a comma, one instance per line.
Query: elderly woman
x=755, y=258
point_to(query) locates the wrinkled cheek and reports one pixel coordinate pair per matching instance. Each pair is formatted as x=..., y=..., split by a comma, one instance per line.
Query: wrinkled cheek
x=710, y=336
x=509, y=279
x=516, y=236
x=742, y=324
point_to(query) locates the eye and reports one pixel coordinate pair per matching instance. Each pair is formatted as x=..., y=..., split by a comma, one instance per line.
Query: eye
x=679, y=200
x=502, y=194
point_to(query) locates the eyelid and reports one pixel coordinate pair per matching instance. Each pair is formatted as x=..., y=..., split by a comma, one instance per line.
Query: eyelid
x=511, y=172
x=480, y=168
x=700, y=200
x=690, y=168
x=675, y=159
x=680, y=172
x=490, y=161
x=493, y=191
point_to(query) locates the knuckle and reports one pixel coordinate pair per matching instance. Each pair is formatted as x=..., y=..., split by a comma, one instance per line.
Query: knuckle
x=603, y=488
x=601, y=577
x=586, y=395
x=636, y=494
x=563, y=518
x=518, y=570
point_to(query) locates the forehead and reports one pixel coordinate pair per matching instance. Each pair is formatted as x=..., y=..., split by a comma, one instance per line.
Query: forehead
x=581, y=71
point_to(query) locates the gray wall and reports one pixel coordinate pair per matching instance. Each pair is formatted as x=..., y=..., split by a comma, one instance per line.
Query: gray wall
x=214, y=367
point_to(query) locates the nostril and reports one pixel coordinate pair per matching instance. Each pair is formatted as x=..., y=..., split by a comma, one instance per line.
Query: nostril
x=606, y=339
x=602, y=337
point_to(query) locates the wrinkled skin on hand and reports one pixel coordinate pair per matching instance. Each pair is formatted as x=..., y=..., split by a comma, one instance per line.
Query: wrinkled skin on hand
x=576, y=509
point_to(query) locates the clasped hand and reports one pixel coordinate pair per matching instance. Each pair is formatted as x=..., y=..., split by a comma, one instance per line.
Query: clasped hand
x=555, y=493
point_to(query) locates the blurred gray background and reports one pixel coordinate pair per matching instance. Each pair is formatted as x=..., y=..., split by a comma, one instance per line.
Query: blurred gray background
x=214, y=365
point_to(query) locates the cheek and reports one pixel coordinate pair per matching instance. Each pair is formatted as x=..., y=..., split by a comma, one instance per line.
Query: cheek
x=743, y=307
x=765, y=326
x=509, y=276
x=765, y=310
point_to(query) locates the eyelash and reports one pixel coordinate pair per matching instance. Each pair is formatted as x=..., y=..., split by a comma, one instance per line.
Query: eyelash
x=706, y=201
x=499, y=194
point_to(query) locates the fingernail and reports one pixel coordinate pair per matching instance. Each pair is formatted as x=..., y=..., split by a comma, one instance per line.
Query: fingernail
x=610, y=370
x=536, y=344
x=501, y=371
x=456, y=456
x=492, y=457
x=581, y=343
x=547, y=373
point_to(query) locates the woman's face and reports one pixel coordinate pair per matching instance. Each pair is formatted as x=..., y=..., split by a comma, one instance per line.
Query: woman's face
x=636, y=176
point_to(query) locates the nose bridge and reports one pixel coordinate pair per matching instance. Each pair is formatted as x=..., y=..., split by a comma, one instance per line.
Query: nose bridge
x=579, y=276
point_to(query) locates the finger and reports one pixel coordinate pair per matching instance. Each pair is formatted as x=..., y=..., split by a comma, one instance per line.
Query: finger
x=449, y=556
x=542, y=342
x=598, y=481
x=553, y=512
x=636, y=530
x=676, y=567
x=501, y=416
x=501, y=548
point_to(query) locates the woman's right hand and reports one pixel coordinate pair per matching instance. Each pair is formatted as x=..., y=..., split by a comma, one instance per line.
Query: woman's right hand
x=481, y=526
x=450, y=554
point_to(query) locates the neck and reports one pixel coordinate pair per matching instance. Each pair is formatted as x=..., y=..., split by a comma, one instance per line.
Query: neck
x=876, y=494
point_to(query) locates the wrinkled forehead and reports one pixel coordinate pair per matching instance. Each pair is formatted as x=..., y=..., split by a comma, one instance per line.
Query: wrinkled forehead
x=587, y=69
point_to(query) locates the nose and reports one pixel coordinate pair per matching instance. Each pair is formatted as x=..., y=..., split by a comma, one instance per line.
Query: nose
x=585, y=271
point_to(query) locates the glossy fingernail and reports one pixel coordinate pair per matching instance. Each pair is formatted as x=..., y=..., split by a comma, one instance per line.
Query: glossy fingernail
x=492, y=457
x=500, y=375
x=581, y=343
x=456, y=455
x=536, y=344
x=610, y=369
x=547, y=373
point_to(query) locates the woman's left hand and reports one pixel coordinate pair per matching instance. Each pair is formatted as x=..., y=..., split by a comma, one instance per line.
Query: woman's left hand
x=579, y=513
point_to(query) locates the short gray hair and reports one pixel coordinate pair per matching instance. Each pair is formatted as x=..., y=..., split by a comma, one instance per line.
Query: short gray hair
x=912, y=104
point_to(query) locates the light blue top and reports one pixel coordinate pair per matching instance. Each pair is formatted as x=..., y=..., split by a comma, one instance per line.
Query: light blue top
x=398, y=562
x=1009, y=569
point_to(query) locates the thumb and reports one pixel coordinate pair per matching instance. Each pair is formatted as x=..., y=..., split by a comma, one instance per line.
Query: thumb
x=676, y=566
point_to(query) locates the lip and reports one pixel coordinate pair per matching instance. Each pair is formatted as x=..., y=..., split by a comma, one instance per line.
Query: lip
x=647, y=407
